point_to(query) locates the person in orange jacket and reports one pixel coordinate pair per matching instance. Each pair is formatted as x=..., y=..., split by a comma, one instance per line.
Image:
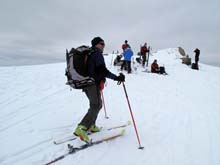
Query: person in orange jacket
x=155, y=67
x=143, y=52
x=125, y=45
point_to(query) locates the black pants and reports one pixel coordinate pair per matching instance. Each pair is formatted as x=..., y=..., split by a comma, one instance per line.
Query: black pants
x=162, y=70
x=129, y=66
x=144, y=57
x=126, y=65
x=95, y=104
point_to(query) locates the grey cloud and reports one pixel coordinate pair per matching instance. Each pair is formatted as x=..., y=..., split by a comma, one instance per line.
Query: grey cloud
x=46, y=28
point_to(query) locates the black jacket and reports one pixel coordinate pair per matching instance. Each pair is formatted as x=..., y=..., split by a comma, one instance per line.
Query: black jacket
x=97, y=68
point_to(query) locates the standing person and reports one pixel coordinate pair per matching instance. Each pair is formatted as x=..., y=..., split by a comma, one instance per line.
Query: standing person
x=144, y=51
x=97, y=70
x=197, y=53
x=128, y=53
x=125, y=45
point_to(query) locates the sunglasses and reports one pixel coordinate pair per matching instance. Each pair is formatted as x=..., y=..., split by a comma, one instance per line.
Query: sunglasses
x=102, y=43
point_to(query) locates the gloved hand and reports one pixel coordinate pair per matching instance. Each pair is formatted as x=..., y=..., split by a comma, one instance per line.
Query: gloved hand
x=101, y=85
x=120, y=78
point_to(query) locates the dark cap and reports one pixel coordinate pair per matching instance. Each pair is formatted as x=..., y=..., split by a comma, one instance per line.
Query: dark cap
x=96, y=40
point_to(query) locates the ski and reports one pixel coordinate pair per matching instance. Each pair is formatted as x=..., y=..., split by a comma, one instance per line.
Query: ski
x=72, y=149
x=65, y=139
x=73, y=137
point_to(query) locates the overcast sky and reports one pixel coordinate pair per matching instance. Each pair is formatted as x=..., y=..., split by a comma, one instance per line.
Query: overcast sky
x=44, y=28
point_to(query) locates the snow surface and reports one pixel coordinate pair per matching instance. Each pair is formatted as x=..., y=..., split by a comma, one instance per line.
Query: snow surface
x=177, y=116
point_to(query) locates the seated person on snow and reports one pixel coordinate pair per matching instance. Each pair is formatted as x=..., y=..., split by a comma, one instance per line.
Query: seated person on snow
x=156, y=69
x=117, y=61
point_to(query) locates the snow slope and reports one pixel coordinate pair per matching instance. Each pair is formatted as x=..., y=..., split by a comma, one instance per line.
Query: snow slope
x=178, y=116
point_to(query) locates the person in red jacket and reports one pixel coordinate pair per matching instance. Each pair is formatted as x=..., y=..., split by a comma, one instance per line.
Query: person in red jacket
x=155, y=67
x=143, y=52
x=125, y=45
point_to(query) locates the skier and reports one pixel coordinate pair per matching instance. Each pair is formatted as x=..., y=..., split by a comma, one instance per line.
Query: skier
x=125, y=45
x=143, y=52
x=128, y=53
x=97, y=70
x=197, y=53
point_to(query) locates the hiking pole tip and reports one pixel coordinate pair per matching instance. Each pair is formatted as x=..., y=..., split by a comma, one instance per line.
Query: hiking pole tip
x=140, y=147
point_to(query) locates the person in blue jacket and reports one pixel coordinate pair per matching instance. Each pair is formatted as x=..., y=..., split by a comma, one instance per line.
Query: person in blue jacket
x=128, y=53
x=97, y=70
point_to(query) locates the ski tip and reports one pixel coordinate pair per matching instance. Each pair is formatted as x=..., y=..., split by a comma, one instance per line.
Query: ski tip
x=122, y=132
x=90, y=142
x=129, y=122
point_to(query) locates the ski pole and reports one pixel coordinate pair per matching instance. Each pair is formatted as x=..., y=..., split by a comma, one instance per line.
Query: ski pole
x=104, y=104
x=148, y=55
x=139, y=142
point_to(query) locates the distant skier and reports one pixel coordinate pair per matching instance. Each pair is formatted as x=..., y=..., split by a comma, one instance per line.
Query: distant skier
x=197, y=53
x=97, y=70
x=143, y=52
x=128, y=53
x=156, y=69
x=125, y=45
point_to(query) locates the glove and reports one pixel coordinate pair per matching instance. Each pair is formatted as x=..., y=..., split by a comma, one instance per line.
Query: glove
x=120, y=78
x=101, y=85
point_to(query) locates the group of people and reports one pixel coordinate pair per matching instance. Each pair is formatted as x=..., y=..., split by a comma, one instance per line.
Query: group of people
x=98, y=71
x=128, y=53
x=155, y=68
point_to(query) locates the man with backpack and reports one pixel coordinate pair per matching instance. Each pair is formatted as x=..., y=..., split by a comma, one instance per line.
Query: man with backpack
x=128, y=53
x=125, y=45
x=98, y=71
x=143, y=52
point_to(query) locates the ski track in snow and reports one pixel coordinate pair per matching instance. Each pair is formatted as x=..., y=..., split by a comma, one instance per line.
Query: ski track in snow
x=27, y=152
x=177, y=115
x=13, y=114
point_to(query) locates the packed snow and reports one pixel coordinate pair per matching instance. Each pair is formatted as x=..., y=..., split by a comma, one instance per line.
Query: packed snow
x=177, y=115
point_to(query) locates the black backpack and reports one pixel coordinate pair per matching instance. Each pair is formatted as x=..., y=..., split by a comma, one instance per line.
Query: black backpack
x=195, y=66
x=77, y=67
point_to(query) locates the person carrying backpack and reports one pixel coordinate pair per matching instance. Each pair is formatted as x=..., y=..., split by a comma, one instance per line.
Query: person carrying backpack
x=125, y=45
x=97, y=70
x=143, y=52
x=128, y=53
